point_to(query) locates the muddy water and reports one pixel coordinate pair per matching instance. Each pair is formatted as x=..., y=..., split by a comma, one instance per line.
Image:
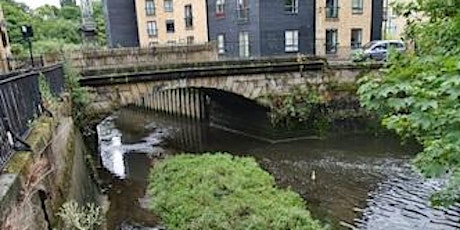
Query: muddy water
x=350, y=180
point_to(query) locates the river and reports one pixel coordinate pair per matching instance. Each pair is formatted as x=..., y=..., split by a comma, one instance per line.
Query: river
x=349, y=180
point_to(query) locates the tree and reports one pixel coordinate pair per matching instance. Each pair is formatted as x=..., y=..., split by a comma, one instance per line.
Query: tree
x=55, y=29
x=419, y=93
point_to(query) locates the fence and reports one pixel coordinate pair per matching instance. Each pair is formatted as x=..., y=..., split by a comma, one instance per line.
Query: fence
x=21, y=103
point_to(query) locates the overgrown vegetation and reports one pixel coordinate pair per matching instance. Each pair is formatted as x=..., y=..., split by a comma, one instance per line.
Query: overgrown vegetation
x=219, y=191
x=294, y=109
x=306, y=108
x=79, y=95
x=419, y=94
x=45, y=90
x=56, y=29
x=76, y=217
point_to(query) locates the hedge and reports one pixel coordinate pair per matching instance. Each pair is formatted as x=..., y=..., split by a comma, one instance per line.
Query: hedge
x=220, y=191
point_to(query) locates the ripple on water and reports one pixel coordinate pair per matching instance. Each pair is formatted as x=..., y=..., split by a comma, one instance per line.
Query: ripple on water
x=401, y=202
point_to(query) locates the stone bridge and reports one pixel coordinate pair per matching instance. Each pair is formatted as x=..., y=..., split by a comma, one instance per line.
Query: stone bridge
x=184, y=88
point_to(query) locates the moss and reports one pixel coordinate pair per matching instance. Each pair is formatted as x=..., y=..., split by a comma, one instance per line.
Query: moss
x=19, y=162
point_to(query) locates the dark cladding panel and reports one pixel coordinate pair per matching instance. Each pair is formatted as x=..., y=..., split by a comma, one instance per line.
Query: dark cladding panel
x=121, y=23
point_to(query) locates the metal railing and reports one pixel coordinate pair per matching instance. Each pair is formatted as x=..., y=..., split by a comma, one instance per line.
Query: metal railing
x=332, y=12
x=21, y=63
x=21, y=103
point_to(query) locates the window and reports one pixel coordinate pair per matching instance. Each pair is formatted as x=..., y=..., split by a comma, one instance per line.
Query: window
x=150, y=7
x=190, y=40
x=291, y=40
x=331, y=41
x=380, y=47
x=356, y=38
x=332, y=9
x=188, y=17
x=220, y=7
x=396, y=45
x=242, y=10
x=152, y=30
x=244, y=44
x=169, y=26
x=357, y=6
x=168, y=5
x=221, y=43
x=291, y=6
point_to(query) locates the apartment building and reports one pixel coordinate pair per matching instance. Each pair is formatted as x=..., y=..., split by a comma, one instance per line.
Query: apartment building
x=162, y=22
x=344, y=25
x=145, y=23
x=251, y=28
x=393, y=24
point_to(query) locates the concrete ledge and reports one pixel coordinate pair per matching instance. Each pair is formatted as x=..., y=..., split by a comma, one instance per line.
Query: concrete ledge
x=10, y=187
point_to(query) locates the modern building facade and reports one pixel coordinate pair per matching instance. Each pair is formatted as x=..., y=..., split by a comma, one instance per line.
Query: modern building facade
x=277, y=27
x=344, y=25
x=162, y=22
x=251, y=28
x=121, y=23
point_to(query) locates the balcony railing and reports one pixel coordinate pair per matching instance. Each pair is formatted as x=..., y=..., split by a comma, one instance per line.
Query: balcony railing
x=242, y=15
x=332, y=12
x=189, y=22
x=152, y=32
x=331, y=48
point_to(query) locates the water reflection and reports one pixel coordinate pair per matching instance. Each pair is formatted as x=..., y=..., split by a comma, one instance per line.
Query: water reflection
x=360, y=181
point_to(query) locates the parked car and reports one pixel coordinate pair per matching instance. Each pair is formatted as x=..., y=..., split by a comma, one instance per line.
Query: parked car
x=377, y=50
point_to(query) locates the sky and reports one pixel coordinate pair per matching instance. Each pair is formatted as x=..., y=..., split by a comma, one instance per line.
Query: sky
x=37, y=3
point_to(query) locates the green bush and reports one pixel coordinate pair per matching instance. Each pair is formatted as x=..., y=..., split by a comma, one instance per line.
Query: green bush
x=219, y=191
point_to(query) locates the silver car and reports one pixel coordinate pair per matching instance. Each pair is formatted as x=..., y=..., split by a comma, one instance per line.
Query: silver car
x=377, y=50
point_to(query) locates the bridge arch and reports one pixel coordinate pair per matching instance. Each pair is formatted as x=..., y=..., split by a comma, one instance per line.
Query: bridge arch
x=197, y=102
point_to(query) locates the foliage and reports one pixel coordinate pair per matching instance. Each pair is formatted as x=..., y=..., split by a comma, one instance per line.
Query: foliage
x=54, y=27
x=80, y=218
x=78, y=94
x=45, y=89
x=219, y=191
x=418, y=95
x=293, y=108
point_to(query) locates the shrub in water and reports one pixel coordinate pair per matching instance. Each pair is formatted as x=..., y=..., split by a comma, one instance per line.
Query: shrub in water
x=219, y=191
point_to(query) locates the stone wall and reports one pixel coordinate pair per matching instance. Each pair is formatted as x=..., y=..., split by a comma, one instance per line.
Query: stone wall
x=130, y=57
x=36, y=183
x=251, y=86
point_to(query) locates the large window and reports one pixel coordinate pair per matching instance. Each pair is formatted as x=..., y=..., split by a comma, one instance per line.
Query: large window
x=331, y=41
x=242, y=10
x=168, y=5
x=356, y=38
x=221, y=43
x=220, y=7
x=332, y=8
x=170, y=26
x=357, y=6
x=152, y=30
x=291, y=6
x=188, y=16
x=244, y=44
x=149, y=7
x=291, y=40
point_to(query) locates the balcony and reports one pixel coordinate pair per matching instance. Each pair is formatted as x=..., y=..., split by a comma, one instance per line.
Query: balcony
x=332, y=12
x=152, y=33
x=188, y=23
